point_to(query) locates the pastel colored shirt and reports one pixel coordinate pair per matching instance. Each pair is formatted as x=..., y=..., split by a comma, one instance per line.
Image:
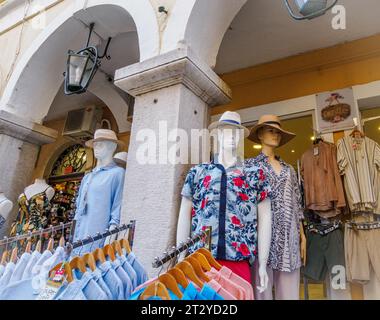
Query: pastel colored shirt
x=32, y=262
x=191, y=293
x=112, y=281
x=129, y=270
x=98, y=203
x=214, y=291
x=20, y=267
x=287, y=212
x=2, y=268
x=127, y=283
x=231, y=287
x=136, y=295
x=248, y=289
x=9, y=268
x=226, y=200
x=82, y=288
x=142, y=275
x=98, y=278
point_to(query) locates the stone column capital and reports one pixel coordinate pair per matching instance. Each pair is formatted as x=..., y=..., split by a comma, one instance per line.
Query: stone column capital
x=25, y=130
x=180, y=66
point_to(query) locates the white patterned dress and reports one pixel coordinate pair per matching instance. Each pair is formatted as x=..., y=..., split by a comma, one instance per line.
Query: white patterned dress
x=287, y=212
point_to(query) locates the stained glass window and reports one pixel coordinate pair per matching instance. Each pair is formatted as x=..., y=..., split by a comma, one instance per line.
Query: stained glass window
x=72, y=160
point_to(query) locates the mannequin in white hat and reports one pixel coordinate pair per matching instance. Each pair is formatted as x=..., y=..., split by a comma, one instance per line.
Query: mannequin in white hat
x=288, y=246
x=6, y=207
x=209, y=212
x=100, y=194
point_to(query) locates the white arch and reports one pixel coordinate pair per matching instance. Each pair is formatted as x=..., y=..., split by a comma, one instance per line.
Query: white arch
x=37, y=76
x=201, y=25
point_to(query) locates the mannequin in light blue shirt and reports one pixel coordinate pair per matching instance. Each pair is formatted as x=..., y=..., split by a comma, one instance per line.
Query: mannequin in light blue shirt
x=100, y=194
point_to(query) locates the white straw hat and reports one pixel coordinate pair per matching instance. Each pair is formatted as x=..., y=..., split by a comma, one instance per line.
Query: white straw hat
x=229, y=119
x=105, y=135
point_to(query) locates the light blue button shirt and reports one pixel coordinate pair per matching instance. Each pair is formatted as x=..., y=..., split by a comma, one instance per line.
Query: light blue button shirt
x=142, y=276
x=33, y=261
x=2, y=268
x=20, y=267
x=127, y=283
x=98, y=278
x=83, y=287
x=112, y=281
x=9, y=268
x=209, y=293
x=37, y=267
x=129, y=270
x=98, y=203
x=20, y=290
x=136, y=295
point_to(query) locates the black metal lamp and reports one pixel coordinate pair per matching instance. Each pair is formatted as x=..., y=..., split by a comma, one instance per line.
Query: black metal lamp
x=310, y=9
x=82, y=66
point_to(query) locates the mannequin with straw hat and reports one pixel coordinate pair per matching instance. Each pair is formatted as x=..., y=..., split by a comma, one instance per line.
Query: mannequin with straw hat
x=100, y=194
x=215, y=195
x=288, y=247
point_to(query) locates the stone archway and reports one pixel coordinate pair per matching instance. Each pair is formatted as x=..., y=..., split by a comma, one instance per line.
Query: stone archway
x=38, y=75
x=201, y=25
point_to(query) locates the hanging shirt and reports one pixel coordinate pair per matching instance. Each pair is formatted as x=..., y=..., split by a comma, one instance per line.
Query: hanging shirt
x=127, y=283
x=129, y=270
x=322, y=182
x=247, y=287
x=142, y=275
x=233, y=288
x=218, y=288
x=2, y=269
x=83, y=287
x=226, y=200
x=98, y=203
x=287, y=212
x=20, y=267
x=9, y=268
x=136, y=295
x=98, y=278
x=33, y=261
x=191, y=293
x=112, y=281
x=359, y=162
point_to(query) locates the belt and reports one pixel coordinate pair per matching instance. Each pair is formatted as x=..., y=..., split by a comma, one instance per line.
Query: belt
x=364, y=226
x=323, y=229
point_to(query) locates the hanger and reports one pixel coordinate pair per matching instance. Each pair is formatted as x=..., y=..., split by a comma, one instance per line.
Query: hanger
x=356, y=132
x=202, y=260
x=14, y=254
x=98, y=254
x=124, y=243
x=179, y=277
x=67, y=269
x=210, y=258
x=198, y=268
x=28, y=248
x=78, y=263
x=89, y=259
x=4, y=257
x=156, y=289
x=39, y=242
x=50, y=245
x=62, y=239
x=189, y=272
x=170, y=283
x=109, y=251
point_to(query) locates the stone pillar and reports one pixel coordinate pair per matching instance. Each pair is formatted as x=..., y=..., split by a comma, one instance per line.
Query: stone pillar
x=20, y=142
x=179, y=89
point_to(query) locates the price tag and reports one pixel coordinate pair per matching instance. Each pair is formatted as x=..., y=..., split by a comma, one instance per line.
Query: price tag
x=53, y=284
x=316, y=151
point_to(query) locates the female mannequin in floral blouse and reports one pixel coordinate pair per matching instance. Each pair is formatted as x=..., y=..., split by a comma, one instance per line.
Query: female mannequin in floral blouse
x=288, y=245
x=225, y=195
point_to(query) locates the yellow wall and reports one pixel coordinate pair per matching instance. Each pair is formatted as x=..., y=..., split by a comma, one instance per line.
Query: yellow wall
x=352, y=63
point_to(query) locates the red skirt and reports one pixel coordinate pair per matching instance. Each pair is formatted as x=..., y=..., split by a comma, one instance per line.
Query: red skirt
x=241, y=268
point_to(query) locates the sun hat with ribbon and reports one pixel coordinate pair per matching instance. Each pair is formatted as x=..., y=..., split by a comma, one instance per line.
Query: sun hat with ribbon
x=105, y=135
x=229, y=119
x=273, y=122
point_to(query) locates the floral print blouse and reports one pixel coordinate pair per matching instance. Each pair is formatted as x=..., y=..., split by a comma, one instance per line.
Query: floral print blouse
x=287, y=212
x=226, y=200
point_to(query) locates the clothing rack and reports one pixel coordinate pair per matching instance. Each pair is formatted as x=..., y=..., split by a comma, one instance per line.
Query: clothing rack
x=99, y=236
x=176, y=251
x=40, y=232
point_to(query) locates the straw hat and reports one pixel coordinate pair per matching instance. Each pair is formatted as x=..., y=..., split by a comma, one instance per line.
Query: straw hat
x=274, y=122
x=229, y=119
x=105, y=135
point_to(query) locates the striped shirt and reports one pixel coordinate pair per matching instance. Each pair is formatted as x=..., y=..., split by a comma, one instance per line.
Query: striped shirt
x=359, y=162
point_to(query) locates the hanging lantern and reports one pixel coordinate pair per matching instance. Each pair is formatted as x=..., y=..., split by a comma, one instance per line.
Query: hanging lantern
x=309, y=9
x=82, y=66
